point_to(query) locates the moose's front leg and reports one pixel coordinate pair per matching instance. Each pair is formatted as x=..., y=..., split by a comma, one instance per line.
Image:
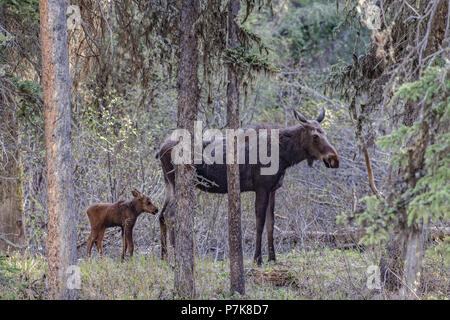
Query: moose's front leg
x=270, y=223
x=129, y=224
x=261, y=201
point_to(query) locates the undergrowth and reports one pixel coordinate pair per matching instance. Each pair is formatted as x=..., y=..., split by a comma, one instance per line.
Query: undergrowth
x=312, y=274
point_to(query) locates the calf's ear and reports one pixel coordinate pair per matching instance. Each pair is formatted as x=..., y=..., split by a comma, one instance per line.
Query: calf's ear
x=136, y=193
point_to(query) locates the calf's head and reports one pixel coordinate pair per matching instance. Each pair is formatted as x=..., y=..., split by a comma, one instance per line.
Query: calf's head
x=315, y=141
x=143, y=203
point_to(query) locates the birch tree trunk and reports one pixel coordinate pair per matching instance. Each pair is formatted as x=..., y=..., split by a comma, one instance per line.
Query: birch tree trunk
x=237, y=280
x=61, y=239
x=188, y=97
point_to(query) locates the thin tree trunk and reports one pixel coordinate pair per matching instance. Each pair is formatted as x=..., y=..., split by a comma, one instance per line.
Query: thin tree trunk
x=12, y=226
x=188, y=97
x=61, y=239
x=237, y=280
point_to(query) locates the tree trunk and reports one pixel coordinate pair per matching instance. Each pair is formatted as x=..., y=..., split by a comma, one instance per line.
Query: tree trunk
x=12, y=226
x=188, y=97
x=237, y=280
x=401, y=265
x=61, y=239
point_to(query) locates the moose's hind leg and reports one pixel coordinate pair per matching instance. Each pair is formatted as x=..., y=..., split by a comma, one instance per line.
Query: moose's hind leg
x=261, y=201
x=163, y=231
x=166, y=212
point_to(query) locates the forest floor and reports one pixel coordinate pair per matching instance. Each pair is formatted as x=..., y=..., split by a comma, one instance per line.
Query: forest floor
x=312, y=274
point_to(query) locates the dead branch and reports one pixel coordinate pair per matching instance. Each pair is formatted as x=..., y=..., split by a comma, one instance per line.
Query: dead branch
x=370, y=174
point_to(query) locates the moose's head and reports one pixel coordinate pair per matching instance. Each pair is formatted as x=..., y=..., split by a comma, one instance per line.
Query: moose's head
x=315, y=141
x=143, y=203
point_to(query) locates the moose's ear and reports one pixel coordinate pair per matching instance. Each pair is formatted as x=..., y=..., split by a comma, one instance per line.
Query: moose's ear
x=321, y=116
x=299, y=116
x=136, y=193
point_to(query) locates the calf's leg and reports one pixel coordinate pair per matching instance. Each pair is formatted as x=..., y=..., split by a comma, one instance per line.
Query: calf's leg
x=99, y=241
x=124, y=245
x=129, y=240
x=128, y=227
x=90, y=242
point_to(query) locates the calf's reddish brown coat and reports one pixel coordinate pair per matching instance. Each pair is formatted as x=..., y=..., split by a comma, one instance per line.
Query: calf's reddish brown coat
x=120, y=214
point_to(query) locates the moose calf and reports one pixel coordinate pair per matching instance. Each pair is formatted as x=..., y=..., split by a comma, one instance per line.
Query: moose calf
x=120, y=214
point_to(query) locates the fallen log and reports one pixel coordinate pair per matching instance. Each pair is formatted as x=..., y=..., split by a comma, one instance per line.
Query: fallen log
x=348, y=238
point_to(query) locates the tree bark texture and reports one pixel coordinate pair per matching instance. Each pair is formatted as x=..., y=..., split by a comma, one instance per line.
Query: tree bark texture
x=237, y=280
x=188, y=97
x=61, y=238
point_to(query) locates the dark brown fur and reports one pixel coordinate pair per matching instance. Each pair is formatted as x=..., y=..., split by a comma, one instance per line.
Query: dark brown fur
x=305, y=141
x=120, y=214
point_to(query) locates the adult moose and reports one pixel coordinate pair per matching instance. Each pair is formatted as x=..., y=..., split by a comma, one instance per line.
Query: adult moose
x=304, y=141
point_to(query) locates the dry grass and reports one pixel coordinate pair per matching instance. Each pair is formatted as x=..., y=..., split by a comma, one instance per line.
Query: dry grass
x=312, y=274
